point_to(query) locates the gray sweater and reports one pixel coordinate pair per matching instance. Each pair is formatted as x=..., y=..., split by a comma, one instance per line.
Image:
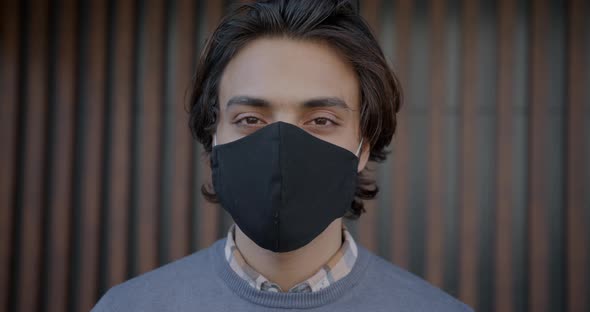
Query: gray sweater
x=204, y=281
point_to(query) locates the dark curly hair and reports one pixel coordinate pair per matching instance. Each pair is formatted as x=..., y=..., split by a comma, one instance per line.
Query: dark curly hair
x=335, y=22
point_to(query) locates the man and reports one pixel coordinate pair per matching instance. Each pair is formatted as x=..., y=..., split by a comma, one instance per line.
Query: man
x=291, y=100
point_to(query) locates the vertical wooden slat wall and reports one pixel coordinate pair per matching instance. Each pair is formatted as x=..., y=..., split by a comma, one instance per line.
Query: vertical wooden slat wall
x=32, y=106
x=434, y=228
x=470, y=192
x=180, y=55
x=115, y=243
x=62, y=134
x=9, y=93
x=150, y=99
x=485, y=193
x=367, y=230
x=209, y=215
x=504, y=290
x=578, y=153
x=400, y=187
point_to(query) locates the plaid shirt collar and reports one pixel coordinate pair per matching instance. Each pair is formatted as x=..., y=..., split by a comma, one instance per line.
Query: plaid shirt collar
x=335, y=269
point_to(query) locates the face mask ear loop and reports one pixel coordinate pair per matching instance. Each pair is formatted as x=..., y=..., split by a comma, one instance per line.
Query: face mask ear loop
x=214, y=139
x=359, y=148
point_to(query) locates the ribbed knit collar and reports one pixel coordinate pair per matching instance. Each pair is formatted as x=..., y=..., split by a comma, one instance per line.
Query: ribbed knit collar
x=336, y=268
x=287, y=300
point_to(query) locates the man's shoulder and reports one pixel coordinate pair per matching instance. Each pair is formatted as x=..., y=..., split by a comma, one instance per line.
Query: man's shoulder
x=165, y=284
x=394, y=283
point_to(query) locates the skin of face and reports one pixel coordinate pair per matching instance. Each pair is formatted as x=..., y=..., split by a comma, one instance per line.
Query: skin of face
x=310, y=85
x=304, y=83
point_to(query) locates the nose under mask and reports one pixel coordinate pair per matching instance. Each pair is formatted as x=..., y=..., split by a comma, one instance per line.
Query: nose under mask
x=357, y=153
x=283, y=186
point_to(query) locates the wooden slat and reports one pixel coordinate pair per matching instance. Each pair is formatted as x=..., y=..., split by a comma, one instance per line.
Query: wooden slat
x=214, y=13
x=369, y=10
x=9, y=58
x=503, y=245
x=577, y=162
x=166, y=147
x=93, y=128
x=468, y=259
x=538, y=218
x=209, y=213
x=61, y=205
x=403, y=24
x=453, y=151
x=367, y=224
x=122, y=67
x=436, y=152
x=32, y=206
x=179, y=239
x=520, y=159
x=153, y=73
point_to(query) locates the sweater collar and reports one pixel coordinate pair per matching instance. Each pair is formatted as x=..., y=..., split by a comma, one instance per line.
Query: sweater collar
x=339, y=265
x=287, y=300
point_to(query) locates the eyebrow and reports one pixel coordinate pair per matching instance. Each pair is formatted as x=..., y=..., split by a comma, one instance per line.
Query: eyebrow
x=248, y=101
x=311, y=103
x=326, y=102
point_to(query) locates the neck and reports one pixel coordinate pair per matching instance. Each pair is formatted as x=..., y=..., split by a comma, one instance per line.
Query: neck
x=287, y=269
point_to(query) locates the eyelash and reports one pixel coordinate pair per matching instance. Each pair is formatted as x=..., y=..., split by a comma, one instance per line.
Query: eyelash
x=241, y=121
x=328, y=120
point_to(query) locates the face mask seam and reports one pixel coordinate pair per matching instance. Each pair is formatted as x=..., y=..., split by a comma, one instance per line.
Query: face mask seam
x=288, y=139
x=281, y=183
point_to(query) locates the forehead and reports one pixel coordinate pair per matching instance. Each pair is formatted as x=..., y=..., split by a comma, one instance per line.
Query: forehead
x=285, y=71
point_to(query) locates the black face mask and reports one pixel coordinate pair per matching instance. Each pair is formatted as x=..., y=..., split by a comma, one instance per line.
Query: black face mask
x=282, y=185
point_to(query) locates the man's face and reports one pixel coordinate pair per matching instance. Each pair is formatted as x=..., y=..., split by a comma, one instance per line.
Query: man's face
x=303, y=83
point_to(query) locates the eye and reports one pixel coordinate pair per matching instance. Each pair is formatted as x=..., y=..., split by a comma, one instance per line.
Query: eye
x=322, y=121
x=249, y=121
